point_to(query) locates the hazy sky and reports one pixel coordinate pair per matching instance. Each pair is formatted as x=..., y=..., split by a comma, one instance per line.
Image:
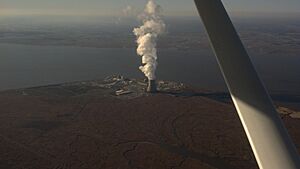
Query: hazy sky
x=114, y=7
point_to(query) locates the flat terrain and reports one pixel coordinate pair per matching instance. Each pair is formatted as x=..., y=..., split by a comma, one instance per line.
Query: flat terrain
x=85, y=125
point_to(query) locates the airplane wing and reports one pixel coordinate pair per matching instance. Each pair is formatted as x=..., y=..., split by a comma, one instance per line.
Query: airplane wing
x=266, y=133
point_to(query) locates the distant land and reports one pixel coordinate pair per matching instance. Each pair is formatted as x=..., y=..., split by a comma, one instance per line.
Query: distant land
x=263, y=36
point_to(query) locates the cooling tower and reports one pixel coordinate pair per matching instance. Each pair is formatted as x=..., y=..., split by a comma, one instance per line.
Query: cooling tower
x=151, y=86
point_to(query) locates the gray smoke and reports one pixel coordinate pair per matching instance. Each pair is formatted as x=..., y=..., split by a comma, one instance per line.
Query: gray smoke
x=147, y=35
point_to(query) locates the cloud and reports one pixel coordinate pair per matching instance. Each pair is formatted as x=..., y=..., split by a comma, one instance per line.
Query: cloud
x=129, y=11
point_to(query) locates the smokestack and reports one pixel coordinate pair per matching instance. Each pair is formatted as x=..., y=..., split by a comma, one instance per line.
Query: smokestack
x=151, y=86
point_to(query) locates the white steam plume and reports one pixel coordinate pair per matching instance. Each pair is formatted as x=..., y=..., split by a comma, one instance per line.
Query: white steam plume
x=147, y=35
x=129, y=11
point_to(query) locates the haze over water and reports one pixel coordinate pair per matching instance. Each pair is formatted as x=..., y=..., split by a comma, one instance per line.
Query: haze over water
x=37, y=51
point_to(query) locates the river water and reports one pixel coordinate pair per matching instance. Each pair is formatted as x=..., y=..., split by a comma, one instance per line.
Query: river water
x=28, y=65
